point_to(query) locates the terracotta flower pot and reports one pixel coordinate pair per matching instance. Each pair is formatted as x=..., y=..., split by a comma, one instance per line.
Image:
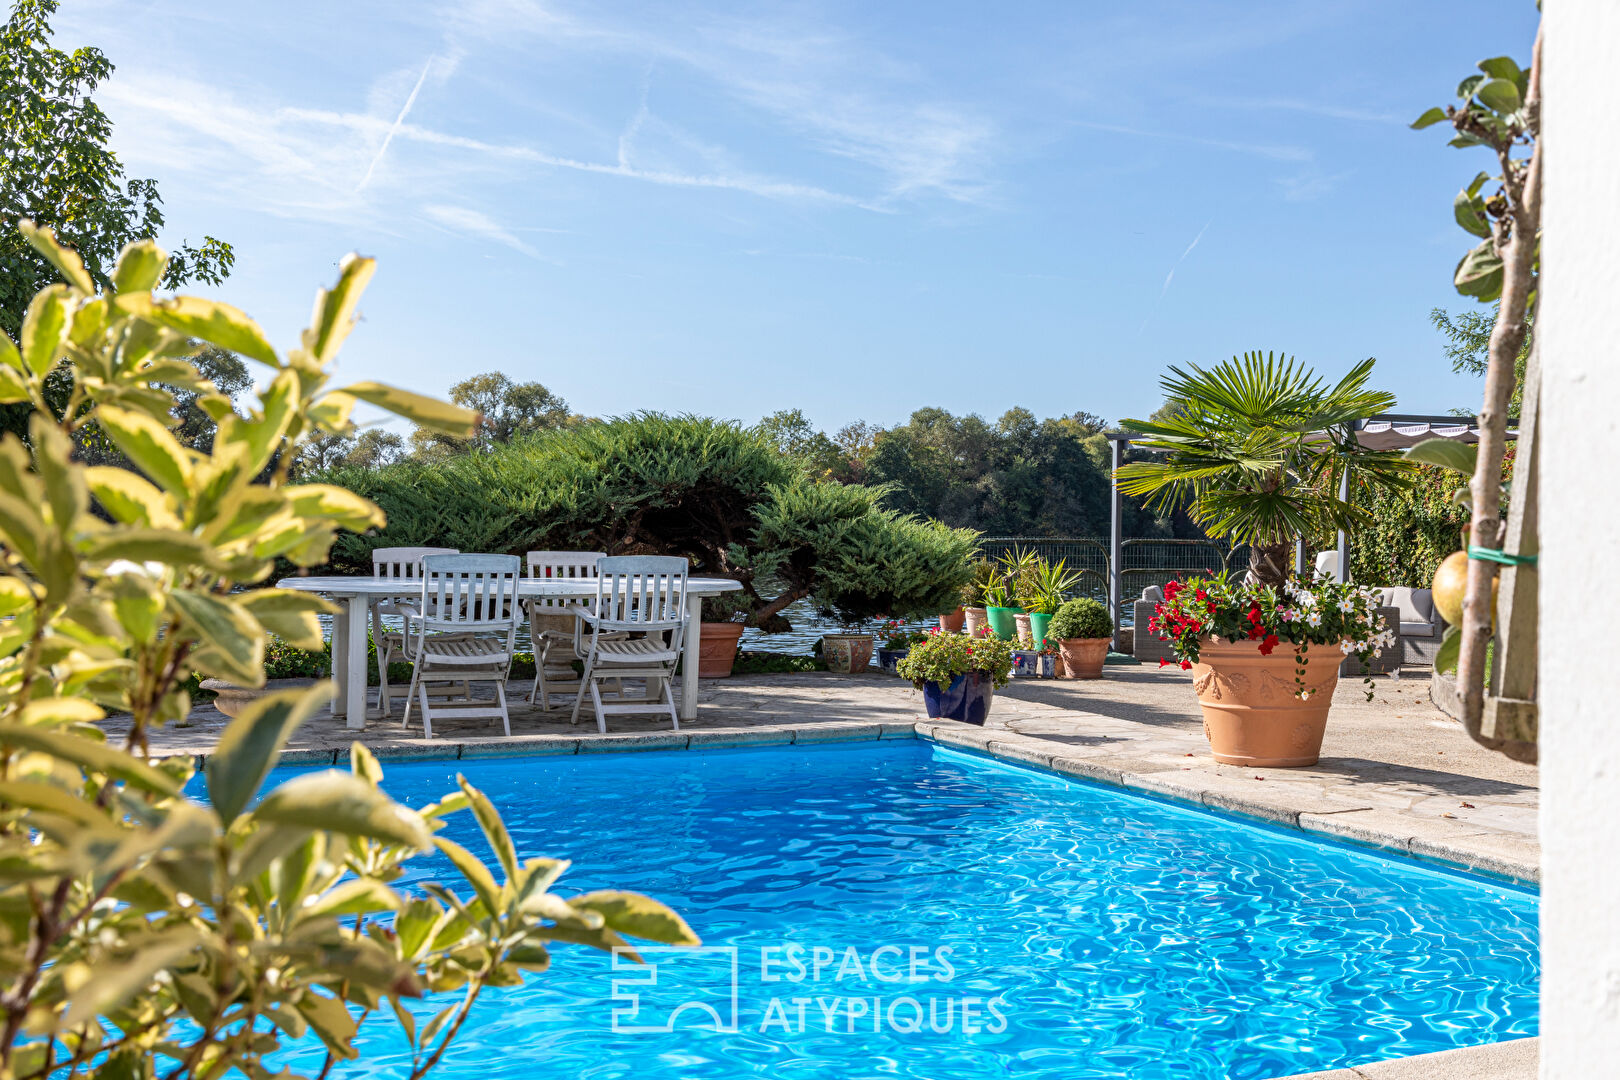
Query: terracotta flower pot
x=1253, y=715
x=847, y=654
x=717, y=648
x=975, y=619
x=952, y=623
x=1083, y=657
x=1026, y=639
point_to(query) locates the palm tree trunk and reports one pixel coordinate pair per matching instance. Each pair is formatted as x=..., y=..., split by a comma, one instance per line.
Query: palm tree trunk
x=1268, y=563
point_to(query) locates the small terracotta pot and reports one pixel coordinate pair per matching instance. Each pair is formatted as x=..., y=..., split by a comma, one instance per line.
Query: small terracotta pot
x=1253, y=715
x=1083, y=657
x=952, y=623
x=976, y=619
x=1026, y=636
x=717, y=648
x=847, y=654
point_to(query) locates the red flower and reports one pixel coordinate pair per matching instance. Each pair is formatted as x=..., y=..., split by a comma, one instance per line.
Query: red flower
x=1163, y=662
x=1267, y=645
x=1200, y=594
x=1186, y=665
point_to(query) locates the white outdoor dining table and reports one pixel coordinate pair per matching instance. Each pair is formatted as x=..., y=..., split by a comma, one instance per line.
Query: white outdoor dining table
x=355, y=595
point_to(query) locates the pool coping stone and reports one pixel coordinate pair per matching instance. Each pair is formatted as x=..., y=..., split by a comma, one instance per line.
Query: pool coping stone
x=1511, y=1059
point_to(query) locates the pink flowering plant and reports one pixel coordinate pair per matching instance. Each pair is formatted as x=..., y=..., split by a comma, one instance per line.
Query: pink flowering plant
x=1298, y=614
x=940, y=657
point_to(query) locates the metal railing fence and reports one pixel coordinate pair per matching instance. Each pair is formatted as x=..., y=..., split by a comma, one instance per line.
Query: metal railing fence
x=1145, y=561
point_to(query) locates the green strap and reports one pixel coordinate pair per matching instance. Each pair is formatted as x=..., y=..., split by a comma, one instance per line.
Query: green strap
x=1492, y=555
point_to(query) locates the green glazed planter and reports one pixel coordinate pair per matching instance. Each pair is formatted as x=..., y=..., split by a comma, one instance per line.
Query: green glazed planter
x=1001, y=621
x=1037, y=629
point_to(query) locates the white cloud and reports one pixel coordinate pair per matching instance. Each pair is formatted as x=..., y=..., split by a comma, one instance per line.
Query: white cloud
x=842, y=96
x=470, y=222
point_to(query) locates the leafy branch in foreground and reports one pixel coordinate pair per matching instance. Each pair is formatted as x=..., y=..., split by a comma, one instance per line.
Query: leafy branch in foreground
x=1500, y=111
x=142, y=933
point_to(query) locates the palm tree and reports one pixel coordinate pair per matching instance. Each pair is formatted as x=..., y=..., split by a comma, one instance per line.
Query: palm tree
x=1255, y=451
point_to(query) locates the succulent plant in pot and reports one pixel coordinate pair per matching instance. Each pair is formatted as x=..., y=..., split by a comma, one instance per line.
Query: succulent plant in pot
x=1082, y=629
x=1043, y=592
x=984, y=576
x=1014, y=570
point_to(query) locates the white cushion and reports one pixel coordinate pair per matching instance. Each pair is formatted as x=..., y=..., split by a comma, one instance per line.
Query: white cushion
x=1416, y=605
x=1416, y=629
x=1327, y=562
x=1153, y=594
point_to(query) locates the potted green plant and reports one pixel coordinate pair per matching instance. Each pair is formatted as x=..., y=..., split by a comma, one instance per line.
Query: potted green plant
x=1255, y=452
x=1082, y=629
x=1048, y=662
x=1265, y=705
x=983, y=576
x=1043, y=592
x=719, y=634
x=958, y=674
x=1001, y=596
x=895, y=640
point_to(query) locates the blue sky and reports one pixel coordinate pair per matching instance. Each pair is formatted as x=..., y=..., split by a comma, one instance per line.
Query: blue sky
x=855, y=209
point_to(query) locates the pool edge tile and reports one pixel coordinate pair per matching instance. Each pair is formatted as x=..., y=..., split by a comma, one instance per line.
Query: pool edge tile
x=739, y=737
x=424, y=751
x=825, y=733
x=547, y=745
x=651, y=740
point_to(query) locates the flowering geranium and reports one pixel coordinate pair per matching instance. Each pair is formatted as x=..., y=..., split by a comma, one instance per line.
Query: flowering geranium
x=1302, y=613
x=940, y=657
x=895, y=635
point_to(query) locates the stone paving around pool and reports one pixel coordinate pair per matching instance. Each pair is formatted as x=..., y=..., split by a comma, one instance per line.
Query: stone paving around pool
x=1395, y=773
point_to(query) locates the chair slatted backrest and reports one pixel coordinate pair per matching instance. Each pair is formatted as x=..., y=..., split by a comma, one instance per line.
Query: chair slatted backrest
x=403, y=562
x=564, y=565
x=641, y=592
x=471, y=592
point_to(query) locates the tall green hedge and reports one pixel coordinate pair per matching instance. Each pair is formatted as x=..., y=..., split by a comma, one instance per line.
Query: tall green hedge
x=1412, y=531
x=712, y=491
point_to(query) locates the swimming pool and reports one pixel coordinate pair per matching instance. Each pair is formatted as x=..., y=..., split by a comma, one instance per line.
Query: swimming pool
x=899, y=909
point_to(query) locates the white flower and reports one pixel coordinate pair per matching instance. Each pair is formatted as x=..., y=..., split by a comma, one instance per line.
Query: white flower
x=1314, y=619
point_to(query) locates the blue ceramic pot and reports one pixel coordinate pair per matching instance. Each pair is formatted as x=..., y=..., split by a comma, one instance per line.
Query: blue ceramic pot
x=967, y=698
x=889, y=659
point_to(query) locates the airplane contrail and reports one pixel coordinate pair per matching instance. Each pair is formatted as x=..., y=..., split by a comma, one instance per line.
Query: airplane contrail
x=1171, y=275
x=400, y=119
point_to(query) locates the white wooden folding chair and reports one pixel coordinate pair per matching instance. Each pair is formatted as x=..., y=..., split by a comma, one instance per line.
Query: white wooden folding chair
x=403, y=564
x=637, y=624
x=466, y=620
x=554, y=622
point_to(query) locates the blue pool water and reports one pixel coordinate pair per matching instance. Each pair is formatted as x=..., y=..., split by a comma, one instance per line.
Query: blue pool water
x=1033, y=927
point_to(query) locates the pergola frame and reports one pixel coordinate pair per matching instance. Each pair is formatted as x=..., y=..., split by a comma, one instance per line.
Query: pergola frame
x=1120, y=440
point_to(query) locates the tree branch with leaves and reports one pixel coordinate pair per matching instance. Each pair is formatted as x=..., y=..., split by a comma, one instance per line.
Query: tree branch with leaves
x=1499, y=110
x=144, y=934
